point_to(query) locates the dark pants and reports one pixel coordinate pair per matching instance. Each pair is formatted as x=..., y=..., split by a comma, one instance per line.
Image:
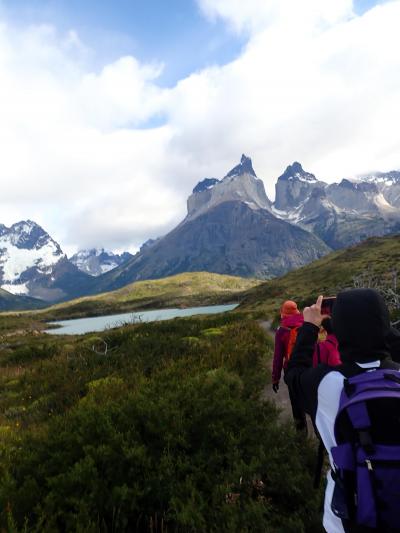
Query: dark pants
x=299, y=415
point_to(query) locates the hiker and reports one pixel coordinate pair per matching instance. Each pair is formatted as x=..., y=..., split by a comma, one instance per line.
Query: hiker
x=366, y=435
x=326, y=351
x=285, y=338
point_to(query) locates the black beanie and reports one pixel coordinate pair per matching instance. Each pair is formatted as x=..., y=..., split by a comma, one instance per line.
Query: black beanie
x=361, y=324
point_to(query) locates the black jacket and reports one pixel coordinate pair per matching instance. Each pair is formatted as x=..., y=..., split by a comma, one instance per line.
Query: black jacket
x=361, y=324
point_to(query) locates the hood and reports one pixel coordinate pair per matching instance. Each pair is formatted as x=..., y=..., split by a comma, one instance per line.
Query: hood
x=292, y=321
x=361, y=324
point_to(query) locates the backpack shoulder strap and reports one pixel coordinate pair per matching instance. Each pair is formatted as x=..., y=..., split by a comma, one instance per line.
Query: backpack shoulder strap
x=318, y=354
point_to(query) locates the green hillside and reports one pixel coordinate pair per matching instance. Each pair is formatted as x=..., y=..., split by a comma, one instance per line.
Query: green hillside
x=10, y=301
x=377, y=256
x=182, y=290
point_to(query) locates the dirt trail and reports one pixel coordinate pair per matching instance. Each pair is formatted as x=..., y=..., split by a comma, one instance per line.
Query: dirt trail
x=281, y=398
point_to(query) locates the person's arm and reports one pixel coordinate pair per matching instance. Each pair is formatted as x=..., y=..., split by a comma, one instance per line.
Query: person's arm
x=300, y=376
x=302, y=355
x=279, y=354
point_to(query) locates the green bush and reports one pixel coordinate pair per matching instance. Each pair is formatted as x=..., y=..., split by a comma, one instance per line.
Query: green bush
x=160, y=434
x=30, y=352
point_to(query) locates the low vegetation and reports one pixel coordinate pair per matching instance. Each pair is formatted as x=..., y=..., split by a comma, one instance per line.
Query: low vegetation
x=163, y=431
x=379, y=257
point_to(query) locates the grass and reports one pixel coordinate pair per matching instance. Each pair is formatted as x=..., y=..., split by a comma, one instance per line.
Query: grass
x=334, y=272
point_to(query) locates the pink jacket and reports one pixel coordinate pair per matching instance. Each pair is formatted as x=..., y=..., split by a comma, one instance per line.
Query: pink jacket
x=327, y=352
x=281, y=342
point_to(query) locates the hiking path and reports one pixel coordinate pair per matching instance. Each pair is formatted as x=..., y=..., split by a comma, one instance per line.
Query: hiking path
x=281, y=398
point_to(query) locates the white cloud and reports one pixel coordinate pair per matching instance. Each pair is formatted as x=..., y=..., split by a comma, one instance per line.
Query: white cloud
x=315, y=83
x=320, y=86
x=70, y=142
x=256, y=15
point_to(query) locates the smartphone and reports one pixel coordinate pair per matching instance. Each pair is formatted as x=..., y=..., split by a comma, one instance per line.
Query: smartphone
x=327, y=305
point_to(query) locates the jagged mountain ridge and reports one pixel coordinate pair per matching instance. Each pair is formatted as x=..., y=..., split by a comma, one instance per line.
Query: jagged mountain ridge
x=343, y=213
x=229, y=229
x=98, y=261
x=333, y=215
x=231, y=238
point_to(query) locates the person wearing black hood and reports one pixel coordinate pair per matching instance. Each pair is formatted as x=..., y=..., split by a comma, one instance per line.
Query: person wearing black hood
x=362, y=326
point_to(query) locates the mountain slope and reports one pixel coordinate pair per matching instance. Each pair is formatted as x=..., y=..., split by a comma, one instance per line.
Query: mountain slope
x=11, y=302
x=229, y=229
x=232, y=238
x=378, y=256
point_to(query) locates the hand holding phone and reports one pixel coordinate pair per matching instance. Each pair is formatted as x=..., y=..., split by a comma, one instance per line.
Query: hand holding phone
x=327, y=305
x=313, y=313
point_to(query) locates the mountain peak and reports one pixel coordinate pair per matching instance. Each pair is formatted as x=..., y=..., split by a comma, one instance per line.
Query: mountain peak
x=97, y=261
x=244, y=167
x=239, y=185
x=295, y=167
x=296, y=172
x=25, y=226
x=27, y=234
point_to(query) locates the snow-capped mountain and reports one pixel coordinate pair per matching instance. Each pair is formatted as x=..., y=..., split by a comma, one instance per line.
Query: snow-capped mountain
x=33, y=264
x=25, y=247
x=388, y=184
x=341, y=213
x=98, y=261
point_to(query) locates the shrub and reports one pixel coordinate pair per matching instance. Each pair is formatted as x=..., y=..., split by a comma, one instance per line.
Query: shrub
x=160, y=433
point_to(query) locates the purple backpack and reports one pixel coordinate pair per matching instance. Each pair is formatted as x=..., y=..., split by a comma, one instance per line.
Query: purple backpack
x=367, y=457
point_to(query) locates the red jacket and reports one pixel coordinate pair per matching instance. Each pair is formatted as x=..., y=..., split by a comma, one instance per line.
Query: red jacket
x=281, y=343
x=327, y=352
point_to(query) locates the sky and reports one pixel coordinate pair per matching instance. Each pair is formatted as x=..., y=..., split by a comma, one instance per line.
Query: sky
x=112, y=110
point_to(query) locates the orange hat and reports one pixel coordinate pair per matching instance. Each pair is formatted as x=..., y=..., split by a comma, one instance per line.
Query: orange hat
x=289, y=308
